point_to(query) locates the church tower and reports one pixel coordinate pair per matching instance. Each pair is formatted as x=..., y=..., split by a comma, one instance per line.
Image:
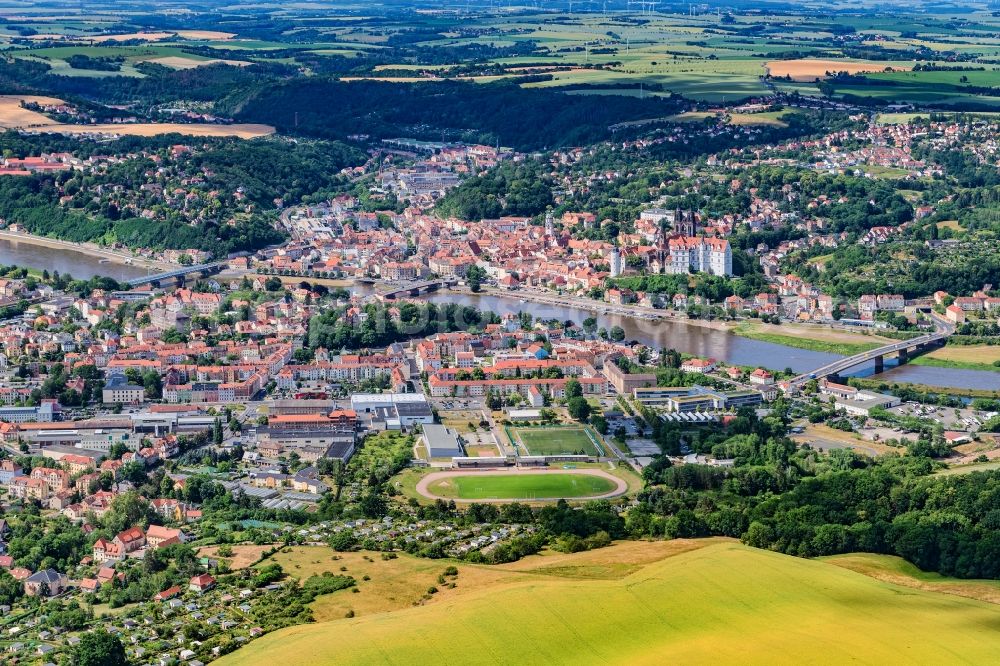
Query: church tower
x=616, y=263
x=662, y=249
x=684, y=223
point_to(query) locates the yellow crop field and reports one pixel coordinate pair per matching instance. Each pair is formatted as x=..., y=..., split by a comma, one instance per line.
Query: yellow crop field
x=723, y=603
x=14, y=116
x=158, y=36
x=808, y=69
x=205, y=34
x=179, y=62
x=969, y=357
x=155, y=129
x=146, y=36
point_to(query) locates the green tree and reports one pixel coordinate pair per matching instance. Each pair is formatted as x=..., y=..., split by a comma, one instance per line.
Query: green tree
x=99, y=648
x=600, y=424
x=127, y=510
x=343, y=541
x=475, y=277
x=578, y=408
x=10, y=588
x=153, y=384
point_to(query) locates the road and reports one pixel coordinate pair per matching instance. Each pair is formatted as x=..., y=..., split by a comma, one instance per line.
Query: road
x=942, y=330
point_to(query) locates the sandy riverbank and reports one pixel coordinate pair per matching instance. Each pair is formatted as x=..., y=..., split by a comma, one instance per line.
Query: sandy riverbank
x=89, y=249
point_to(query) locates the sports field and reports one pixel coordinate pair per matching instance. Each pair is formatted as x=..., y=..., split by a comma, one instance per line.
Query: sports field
x=556, y=440
x=722, y=604
x=521, y=486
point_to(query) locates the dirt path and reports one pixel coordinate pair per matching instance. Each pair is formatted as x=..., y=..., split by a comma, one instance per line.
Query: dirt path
x=621, y=487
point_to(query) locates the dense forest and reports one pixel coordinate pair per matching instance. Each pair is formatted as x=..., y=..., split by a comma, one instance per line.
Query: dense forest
x=510, y=189
x=266, y=170
x=490, y=113
x=263, y=172
x=802, y=503
x=331, y=329
x=159, y=84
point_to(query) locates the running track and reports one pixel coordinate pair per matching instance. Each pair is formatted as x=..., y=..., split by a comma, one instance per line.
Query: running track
x=423, y=485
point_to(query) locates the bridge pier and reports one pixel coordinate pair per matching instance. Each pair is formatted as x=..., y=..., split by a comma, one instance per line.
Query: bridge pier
x=904, y=350
x=202, y=270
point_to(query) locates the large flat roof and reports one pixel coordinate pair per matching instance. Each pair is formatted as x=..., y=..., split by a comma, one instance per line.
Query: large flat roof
x=386, y=398
x=442, y=440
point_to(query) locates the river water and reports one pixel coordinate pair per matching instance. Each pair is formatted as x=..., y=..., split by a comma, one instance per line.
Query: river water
x=723, y=346
x=689, y=339
x=78, y=264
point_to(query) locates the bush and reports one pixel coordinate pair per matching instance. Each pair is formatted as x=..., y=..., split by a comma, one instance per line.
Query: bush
x=343, y=541
x=327, y=583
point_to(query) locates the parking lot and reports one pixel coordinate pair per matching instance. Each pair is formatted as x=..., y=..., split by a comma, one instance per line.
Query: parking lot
x=965, y=419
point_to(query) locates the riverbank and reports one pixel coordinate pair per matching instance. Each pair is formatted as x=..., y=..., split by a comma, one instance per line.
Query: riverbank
x=876, y=384
x=89, y=249
x=962, y=357
x=633, y=311
x=812, y=337
x=292, y=280
x=661, y=329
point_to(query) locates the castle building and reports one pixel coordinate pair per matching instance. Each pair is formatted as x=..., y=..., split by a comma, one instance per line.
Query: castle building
x=680, y=254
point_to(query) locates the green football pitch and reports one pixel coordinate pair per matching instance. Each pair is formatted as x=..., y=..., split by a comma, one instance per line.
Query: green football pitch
x=557, y=441
x=521, y=486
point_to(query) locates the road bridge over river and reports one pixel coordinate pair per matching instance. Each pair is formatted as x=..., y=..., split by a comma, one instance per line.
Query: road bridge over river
x=204, y=269
x=903, y=349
